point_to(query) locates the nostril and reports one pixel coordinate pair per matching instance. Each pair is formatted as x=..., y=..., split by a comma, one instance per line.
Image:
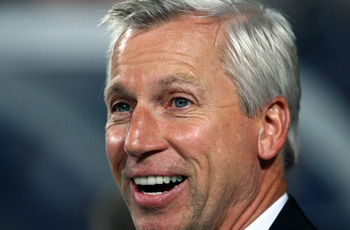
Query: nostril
x=126, y=151
x=149, y=146
x=140, y=155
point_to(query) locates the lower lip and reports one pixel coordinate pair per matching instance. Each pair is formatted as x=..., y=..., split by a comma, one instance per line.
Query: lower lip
x=157, y=201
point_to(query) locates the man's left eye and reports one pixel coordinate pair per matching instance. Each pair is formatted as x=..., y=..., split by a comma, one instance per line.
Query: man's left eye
x=180, y=102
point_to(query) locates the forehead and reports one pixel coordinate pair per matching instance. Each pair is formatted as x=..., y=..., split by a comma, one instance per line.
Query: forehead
x=190, y=37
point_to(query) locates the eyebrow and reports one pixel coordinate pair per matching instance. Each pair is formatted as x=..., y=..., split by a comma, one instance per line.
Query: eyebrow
x=115, y=88
x=180, y=78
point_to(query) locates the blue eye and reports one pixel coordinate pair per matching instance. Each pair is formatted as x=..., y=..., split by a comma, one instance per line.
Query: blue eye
x=122, y=107
x=180, y=102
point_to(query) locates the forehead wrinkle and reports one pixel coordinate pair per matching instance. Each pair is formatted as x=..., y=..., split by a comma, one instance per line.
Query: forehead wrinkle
x=139, y=57
x=119, y=63
x=171, y=78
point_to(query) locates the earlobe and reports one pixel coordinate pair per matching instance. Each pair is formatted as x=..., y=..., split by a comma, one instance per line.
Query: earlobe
x=275, y=119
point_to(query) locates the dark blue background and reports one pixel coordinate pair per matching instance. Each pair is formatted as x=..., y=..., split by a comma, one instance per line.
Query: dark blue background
x=53, y=169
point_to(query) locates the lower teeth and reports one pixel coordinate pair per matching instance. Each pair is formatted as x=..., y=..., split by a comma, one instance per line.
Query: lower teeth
x=152, y=193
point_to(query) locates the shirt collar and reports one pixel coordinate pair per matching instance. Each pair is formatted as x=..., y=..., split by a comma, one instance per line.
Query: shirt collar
x=265, y=220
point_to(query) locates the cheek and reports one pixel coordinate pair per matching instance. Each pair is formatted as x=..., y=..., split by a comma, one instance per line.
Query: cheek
x=115, y=151
x=238, y=154
x=188, y=138
x=233, y=147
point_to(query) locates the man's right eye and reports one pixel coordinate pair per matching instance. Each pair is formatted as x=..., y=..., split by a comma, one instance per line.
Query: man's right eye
x=121, y=107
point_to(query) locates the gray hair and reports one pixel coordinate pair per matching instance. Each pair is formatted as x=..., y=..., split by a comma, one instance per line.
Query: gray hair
x=258, y=51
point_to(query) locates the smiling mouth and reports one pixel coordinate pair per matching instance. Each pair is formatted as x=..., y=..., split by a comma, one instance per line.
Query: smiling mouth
x=156, y=185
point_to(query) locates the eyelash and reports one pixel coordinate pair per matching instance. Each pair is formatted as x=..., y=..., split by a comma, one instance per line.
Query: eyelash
x=126, y=106
x=118, y=102
x=172, y=102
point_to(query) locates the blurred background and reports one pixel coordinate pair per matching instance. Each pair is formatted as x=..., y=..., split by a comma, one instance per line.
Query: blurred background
x=53, y=168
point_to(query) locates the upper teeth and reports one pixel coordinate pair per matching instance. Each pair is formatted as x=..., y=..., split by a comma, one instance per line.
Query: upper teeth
x=152, y=180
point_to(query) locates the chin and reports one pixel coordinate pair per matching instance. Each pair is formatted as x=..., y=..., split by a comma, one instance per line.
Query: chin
x=159, y=223
x=166, y=218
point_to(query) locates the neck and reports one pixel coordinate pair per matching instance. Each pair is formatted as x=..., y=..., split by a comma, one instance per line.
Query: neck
x=272, y=187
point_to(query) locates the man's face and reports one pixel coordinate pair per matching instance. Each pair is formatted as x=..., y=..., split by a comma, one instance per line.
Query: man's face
x=174, y=114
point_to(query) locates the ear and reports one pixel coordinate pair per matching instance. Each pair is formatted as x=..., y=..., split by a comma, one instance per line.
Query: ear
x=274, y=123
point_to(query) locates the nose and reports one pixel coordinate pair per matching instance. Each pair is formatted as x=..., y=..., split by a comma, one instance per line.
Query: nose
x=143, y=136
